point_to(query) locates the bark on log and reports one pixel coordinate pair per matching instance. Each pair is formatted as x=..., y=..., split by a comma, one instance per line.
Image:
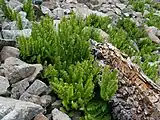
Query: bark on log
x=138, y=97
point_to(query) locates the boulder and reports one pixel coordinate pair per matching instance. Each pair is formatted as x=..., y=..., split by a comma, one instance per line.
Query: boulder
x=11, y=109
x=8, y=51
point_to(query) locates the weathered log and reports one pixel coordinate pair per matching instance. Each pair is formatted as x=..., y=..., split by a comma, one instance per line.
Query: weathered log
x=138, y=97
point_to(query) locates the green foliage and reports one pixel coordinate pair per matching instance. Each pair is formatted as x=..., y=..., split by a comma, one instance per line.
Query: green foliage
x=19, y=22
x=118, y=37
x=139, y=5
x=98, y=22
x=71, y=70
x=133, y=32
x=156, y=5
x=28, y=8
x=153, y=20
x=145, y=56
x=11, y=14
x=97, y=110
x=70, y=42
x=8, y=12
x=108, y=83
x=75, y=86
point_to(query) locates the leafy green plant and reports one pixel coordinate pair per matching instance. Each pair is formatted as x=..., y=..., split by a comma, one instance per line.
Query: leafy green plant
x=98, y=22
x=70, y=68
x=8, y=12
x=133, y=32
x=74, y=86
x=153, y=20
x=28, y=8
x=118, y=37
x=19, y=22
x=97, y=110
x=108, y=83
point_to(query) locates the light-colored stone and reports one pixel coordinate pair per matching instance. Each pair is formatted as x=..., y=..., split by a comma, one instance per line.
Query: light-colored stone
x=12, y=34
x=46, y=100
x=14, y=3
x=9, y=25
x=152, y=31
x=71, y=1
x=30, y=98
x=19, y=88
x=37, y=88
x=58, y=115
x=16, y=70
x=158, y=33
x=4, y=84
x=11, y=109
x=50, y=4
x=56, y=104
x=118, y=11
x=9, y=51
x=46, y=10
x=121, y=6
x=37, y=71
x=58, y=13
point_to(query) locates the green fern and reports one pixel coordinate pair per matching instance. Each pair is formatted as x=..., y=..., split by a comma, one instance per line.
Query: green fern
x=28, y=8
x=8, y=12
x=19, y=22
x=108, y=83
x=75, y=86
x=97, y=110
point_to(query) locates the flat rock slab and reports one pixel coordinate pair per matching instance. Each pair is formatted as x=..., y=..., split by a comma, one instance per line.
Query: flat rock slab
x=11, y=109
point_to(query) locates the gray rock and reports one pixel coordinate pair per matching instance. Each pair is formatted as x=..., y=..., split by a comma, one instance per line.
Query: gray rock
x=9, y=25
x=84, y=12
x=4, y=84
x=118, y=11
x=38, y=69
x=58, y=115
x=151, y=31
x=16, y=70
x=8, y=51
x=50, y=4
x=11, y=109
x=7, y=42
x=19, y=88
x=121, y=6
x=14, y=3
x=37, y=88
x=158, y=33
x=30, y=98
x=71, y=1
x=56, y=104
x=46, y=100
x=58, y=13
x=146, y=12
x=12, y=34
x=46, y=10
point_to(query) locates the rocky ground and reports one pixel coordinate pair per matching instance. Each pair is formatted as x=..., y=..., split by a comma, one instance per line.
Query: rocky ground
x=23, y=95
